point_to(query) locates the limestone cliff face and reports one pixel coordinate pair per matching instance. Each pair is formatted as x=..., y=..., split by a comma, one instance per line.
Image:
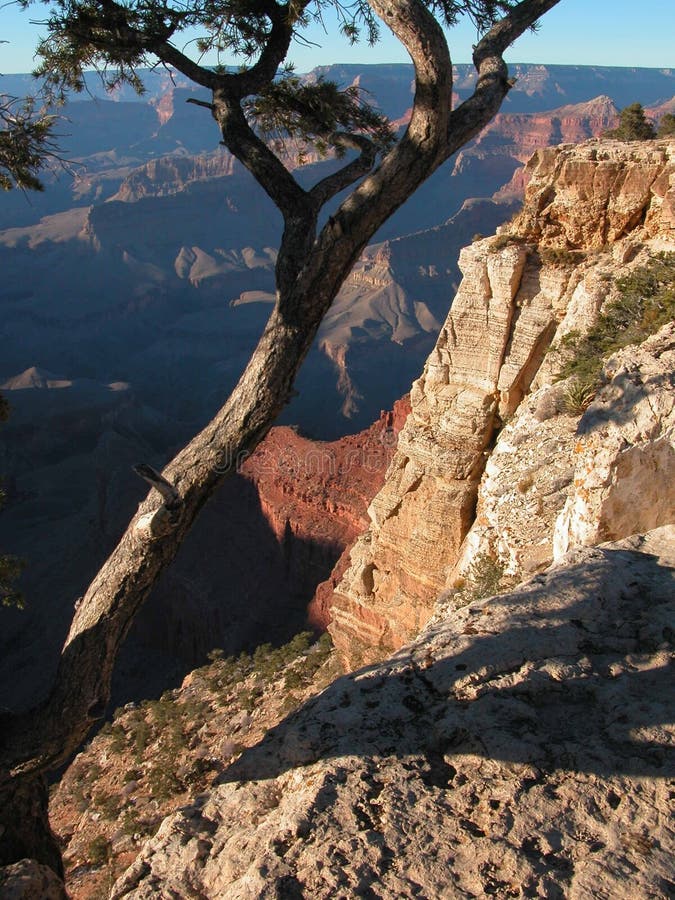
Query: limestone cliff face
x=587, y=196
x=624, y=473
x=590, y=214
x=558, y=480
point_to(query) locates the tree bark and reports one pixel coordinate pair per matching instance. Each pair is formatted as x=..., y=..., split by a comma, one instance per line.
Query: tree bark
x=310, y=271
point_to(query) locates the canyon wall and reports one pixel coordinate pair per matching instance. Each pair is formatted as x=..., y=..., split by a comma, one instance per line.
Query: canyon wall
x=591, y=213
x=520, y=744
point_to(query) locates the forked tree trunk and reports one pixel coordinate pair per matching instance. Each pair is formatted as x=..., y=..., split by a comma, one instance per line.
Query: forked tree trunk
x=310, y=272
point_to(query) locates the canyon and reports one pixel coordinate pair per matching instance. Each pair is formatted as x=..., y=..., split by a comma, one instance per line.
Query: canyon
x=511, y=595
x=133, y=291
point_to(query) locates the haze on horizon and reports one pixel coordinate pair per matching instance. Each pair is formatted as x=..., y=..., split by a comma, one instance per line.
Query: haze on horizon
x=573, y=33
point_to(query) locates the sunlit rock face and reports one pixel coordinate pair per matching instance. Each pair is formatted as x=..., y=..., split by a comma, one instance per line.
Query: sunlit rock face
x=624, y=456
x=591, y=214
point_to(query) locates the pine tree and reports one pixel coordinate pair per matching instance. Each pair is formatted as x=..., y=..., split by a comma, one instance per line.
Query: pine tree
x=26, y=143
x=254, y=106
x=633, y=125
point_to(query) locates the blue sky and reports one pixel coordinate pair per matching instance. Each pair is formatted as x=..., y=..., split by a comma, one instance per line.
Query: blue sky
x=579, y=32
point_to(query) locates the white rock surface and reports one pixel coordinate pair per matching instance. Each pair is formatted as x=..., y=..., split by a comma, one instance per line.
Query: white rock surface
x=624, y=458
x=523, y=746
x=526, y=482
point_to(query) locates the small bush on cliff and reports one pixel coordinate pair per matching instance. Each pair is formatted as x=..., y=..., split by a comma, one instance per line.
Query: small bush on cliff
x=505, y=240
x=645, y=301
x=484, y=578
x=98, y=851
x=560, y=256
x=578, y=396
x=486, y=575
x=666, y=126
x=301, y=673
x=633, y=125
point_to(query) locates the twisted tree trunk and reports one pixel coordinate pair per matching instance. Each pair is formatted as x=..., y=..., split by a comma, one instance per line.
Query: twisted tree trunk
x=310, y=271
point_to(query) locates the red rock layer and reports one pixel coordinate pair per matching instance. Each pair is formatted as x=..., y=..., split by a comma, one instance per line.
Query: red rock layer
x=318, y=493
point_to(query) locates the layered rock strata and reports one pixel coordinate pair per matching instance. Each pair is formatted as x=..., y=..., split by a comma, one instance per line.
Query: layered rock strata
x=590, y=212
x=586, y=196
x=521, y=746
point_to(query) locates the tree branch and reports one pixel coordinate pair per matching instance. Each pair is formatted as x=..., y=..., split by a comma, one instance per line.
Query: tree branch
x=509, y=28
x=240, y=84
x=331, y=185
x=252, y=152
x=493, y=84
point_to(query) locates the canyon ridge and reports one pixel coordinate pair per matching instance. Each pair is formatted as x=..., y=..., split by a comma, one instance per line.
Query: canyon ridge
x=511, y=596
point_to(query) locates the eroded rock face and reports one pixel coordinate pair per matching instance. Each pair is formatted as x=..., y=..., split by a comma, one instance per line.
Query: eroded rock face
x=520, y=746
x=488, y=352
x=588, y=195
x=526, y=483
x=624, y=455
x=557, y=480
x=28, y=880
x=546, y=274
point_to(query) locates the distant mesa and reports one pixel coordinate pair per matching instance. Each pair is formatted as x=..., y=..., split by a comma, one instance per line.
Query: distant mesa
x=41, y=379
x=35, y=377
x=253, y=297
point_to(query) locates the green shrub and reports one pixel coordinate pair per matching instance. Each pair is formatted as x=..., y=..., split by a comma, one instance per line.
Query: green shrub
x=162, y=781
x=505, y=240
x=98, y=851
x=132, y=775
x=645, y=301
x=578, y=396
x=560, y=256
x=666, y=126
x=485, y=574
x=633, y=125
x=108, y=805
x=484, y=578
x=142, y=735
x=118, y=739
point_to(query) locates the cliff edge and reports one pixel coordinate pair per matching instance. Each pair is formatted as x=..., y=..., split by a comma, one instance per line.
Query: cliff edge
x=520, y=747
x=493, y=448
x=518, y=742
x=520, y=567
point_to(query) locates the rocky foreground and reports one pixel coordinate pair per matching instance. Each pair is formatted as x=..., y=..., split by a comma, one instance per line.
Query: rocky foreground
x=520, y=747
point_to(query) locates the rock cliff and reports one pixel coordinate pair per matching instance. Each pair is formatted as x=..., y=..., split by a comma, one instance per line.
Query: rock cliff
x=521, y=743
x=592, y=213
x=520, y=747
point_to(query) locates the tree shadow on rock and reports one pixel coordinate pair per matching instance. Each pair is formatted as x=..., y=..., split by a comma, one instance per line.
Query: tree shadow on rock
x=618, y=403
x=570, y=672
